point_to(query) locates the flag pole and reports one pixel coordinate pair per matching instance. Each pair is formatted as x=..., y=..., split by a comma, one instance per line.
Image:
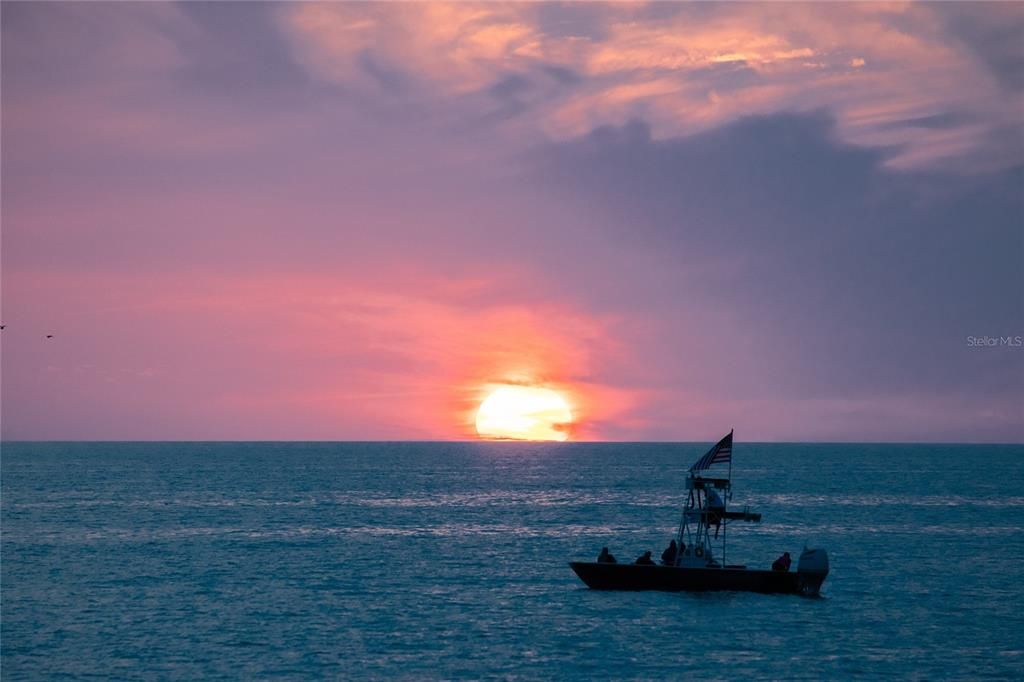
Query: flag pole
x=725, y=522
x=730, y=463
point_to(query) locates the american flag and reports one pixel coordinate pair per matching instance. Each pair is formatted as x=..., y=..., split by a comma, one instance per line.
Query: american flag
x=722, y=452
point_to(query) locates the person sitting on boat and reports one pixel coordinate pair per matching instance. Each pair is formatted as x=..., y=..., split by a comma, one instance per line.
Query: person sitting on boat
x=645, y=559
x=668, y=557
x=606, y=557
x=782, y=563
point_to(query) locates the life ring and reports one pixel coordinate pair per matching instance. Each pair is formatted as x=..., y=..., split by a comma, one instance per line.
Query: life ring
x=699, y=552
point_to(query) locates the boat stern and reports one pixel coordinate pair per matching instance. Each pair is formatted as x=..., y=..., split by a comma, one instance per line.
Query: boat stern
x=811, y=571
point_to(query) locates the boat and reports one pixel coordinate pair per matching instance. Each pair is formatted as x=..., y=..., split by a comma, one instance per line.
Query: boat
x=697, y=565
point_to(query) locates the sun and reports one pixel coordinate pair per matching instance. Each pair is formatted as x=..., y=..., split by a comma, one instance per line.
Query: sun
x=524, y=413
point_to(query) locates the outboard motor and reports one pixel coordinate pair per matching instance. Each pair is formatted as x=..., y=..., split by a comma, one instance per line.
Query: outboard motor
x=812, y=570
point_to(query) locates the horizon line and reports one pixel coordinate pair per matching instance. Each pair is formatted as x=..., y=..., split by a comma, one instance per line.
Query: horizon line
x=506, y=440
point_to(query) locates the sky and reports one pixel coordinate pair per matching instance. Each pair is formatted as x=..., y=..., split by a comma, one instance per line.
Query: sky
x=356, y=221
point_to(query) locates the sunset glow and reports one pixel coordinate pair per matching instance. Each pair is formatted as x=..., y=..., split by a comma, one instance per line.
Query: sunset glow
x=358, y=221
x=524, y=413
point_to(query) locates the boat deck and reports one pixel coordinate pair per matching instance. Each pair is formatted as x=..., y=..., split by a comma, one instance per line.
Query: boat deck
x=600, y=576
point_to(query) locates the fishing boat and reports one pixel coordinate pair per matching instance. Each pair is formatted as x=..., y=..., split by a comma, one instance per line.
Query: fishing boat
x=697, y=564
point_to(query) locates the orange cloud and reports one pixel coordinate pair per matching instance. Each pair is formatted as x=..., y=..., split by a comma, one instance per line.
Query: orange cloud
x=685, y=72
x=460, y=45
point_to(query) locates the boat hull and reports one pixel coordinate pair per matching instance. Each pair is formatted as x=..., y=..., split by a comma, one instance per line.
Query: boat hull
x=679, y=579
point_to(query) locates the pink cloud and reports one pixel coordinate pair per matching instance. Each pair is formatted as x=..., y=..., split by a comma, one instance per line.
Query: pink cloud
x=893, y=59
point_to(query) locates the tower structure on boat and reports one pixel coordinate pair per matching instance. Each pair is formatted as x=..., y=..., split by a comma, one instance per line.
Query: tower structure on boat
x=706, y=511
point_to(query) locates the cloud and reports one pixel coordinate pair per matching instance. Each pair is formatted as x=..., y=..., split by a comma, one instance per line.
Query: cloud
x=348, y=221
x=684, y=69
x=822, y=274
x=993, y=36
x=150, y=82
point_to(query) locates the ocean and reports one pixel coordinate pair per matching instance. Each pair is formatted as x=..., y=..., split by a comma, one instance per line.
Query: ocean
x=449, y=560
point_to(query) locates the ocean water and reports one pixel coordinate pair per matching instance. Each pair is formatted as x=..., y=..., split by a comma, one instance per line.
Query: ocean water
x=448, y=560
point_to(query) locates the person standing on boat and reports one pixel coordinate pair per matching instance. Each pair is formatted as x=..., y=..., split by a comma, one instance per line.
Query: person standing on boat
x=782, y=563
x=645, y=559
x=668, y=557
x=715, y=509
x=606, y=557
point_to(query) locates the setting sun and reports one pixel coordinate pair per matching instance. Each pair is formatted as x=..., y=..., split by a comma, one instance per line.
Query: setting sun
x=524, y=413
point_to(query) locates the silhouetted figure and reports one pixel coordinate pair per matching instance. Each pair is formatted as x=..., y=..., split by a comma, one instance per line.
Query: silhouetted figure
x=606, y=557
x=715, y=509
x=668, y=557
x=782, y=563
x=645, y=560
